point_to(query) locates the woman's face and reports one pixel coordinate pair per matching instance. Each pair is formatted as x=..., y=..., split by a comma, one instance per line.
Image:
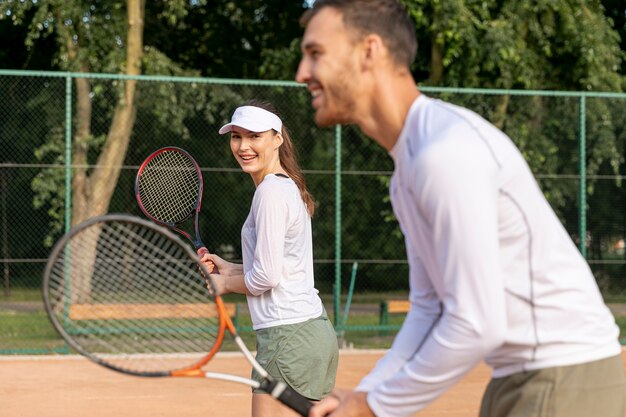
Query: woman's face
x=256, y=152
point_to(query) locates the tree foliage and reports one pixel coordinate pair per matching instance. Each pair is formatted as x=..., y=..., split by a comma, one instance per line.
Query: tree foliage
x=182, y=38
x=506, y=44
x=564, y=45
x=228, y=39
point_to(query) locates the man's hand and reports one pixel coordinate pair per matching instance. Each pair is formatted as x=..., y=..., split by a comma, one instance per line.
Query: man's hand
x=342, y=403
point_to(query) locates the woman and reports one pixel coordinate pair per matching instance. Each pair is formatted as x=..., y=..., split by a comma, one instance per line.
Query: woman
x=296, y=342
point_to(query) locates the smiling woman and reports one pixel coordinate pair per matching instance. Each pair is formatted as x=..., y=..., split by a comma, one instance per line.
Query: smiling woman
x=255, y=146
x=296, y=342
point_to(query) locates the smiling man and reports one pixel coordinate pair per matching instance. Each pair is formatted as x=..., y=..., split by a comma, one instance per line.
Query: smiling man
x=494, y=276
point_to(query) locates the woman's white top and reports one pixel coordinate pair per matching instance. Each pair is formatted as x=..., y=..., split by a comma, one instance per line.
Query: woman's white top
x=494, y=275
x=277, y=247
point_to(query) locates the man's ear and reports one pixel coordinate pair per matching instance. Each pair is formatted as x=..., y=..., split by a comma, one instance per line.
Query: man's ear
x=373, y=50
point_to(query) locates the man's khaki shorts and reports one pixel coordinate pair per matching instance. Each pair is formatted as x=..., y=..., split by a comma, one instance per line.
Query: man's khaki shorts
x=594, y=389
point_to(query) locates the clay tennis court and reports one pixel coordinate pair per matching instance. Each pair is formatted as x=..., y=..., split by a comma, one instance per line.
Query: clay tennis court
x=69, y=386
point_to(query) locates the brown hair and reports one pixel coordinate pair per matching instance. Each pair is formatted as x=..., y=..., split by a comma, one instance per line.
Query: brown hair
x=288, y=157
x=387, y=18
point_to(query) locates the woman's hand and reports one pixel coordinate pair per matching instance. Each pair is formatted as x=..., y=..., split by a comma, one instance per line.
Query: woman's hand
x=216, y=265
x=207, y=262
x=226, y=276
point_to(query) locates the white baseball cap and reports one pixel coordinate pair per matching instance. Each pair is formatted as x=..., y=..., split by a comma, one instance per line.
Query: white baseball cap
x=254, y=119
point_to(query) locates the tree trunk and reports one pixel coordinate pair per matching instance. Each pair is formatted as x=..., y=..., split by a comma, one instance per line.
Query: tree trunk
x=436, y=49
x=91, y=194
x=80, y=181
x=436, y=62
x=103, y=179
x=499, y=114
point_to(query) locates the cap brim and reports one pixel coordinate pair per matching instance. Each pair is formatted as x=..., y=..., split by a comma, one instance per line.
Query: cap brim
x=253, y=119
x=248, y=125
x=225, y=129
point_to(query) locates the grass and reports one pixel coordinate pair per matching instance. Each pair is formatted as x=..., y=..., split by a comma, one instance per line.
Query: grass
x=615, y=299
x=621, y=322
x=363, y=332
x=22, y=294
x=31, y=331
x=28, y=330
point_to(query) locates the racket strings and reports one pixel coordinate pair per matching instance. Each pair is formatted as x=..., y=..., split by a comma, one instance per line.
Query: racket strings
x=133, y=298
x=169, y=186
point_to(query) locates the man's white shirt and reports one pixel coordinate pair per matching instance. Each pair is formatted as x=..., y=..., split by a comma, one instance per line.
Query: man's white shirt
x=493, y=273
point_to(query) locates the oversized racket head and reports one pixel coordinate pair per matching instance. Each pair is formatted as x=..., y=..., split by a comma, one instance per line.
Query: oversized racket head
x=127, y=294
x=168, y=186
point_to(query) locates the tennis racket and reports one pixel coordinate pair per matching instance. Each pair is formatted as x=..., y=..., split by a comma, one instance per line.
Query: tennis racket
x=126, y=294
x=168, y=188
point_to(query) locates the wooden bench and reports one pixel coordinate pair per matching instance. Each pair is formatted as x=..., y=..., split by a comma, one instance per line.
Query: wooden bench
x=388, y=307
x=148, y=311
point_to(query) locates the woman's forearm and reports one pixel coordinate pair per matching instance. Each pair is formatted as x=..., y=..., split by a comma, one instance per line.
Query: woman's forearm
x=230, y=279
x=235, y=283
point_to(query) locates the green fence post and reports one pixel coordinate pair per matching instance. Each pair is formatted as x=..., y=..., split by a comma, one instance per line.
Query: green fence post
x=337, y=292
x=582, y=168
x=384, y=314
x=68, y=152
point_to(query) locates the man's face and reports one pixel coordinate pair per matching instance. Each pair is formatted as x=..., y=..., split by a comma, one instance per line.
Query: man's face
x=329, y=67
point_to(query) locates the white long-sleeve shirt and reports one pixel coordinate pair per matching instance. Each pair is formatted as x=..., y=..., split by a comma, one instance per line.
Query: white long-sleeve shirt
x=278, y=256
x=493, y=273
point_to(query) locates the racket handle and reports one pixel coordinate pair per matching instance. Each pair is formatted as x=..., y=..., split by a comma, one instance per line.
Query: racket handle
x=288, y=396
x=202, y=251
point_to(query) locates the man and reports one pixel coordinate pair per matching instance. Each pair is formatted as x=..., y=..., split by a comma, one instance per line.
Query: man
x=493, y=274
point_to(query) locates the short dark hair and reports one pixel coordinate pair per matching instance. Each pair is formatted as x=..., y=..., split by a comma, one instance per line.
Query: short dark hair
x=387, y=18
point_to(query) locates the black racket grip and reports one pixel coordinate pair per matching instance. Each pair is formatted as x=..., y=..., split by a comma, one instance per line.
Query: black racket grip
x=288, y=396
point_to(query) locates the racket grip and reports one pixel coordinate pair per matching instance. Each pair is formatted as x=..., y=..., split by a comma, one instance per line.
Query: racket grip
x=288, y=396
x=202, y=251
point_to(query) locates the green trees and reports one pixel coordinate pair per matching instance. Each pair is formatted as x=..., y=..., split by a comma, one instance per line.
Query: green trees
x=542, y=45
x=506, y=44
x=90, y=38
x=108, y=37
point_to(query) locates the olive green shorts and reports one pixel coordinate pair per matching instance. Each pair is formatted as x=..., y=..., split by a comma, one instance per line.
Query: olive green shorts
x=303, y=355
x=594, y=389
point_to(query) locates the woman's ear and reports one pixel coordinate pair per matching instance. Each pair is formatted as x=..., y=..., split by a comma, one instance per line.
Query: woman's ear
x=278, y=140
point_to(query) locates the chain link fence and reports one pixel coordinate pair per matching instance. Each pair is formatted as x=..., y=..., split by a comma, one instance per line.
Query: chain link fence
x=574, y=143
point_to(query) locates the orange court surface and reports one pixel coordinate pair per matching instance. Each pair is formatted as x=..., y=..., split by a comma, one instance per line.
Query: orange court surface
x=71, y=386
